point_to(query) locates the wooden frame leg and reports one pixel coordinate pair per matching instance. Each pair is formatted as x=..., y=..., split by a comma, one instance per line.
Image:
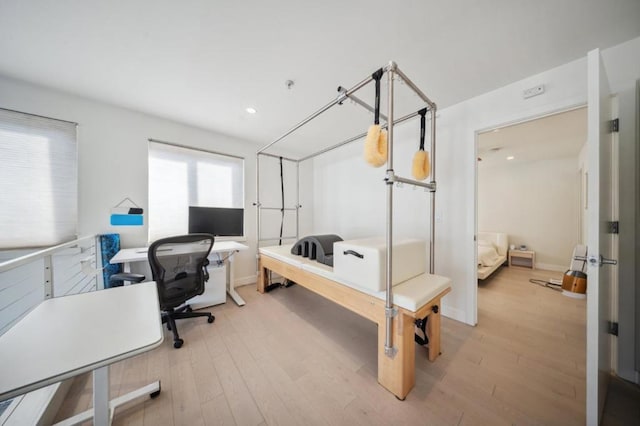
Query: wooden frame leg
x=433, y=325
x=262, y=276
x=397, y=374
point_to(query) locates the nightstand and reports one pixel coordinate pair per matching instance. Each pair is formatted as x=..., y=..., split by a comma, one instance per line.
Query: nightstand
x=524, y=258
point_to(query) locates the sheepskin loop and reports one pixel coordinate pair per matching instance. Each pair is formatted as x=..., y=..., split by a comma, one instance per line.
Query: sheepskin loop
x=375, y=146
x=421, y=166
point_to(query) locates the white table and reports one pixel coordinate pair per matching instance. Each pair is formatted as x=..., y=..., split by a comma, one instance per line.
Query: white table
x=70, y=335
x=224, y=248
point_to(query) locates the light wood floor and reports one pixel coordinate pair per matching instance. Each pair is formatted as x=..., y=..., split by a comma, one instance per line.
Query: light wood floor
x=290, y=357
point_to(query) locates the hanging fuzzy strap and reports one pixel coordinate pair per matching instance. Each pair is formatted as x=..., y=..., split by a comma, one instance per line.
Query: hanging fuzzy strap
x=377, y=76
x=423, y=124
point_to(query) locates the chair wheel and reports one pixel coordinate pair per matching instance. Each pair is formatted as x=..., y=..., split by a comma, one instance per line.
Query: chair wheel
x=178, y=343
x=211, y=319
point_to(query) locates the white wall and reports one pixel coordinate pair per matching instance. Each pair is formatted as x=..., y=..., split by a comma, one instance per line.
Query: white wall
x=536, y=203
x=349, y=196
x=112, y=158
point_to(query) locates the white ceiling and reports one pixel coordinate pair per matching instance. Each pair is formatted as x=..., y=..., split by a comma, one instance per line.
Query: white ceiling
x=202, y=62
x=555, y=136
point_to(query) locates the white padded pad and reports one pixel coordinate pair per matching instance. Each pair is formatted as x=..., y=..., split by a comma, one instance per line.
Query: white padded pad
x=411, y=294
x=369, y=267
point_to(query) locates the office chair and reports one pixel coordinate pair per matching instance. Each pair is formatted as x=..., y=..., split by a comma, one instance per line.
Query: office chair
x=112, y=274
x=179, y=268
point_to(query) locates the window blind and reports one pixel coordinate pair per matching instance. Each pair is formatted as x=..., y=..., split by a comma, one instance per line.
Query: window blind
x=38, y=180
x=180, y=177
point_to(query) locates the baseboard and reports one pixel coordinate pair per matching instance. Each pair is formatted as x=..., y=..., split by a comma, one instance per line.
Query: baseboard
x=251, y=279
x=551, y=267
x=454, y=313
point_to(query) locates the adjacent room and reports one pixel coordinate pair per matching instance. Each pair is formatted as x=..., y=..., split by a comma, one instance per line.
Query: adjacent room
x=258, y=213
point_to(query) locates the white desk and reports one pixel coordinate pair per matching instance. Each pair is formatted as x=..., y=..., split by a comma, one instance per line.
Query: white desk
x=70, y=335
x=224, y=248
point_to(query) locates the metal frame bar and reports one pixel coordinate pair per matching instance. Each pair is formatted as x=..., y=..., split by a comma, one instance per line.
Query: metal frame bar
x=195, y=148
x=360, y=102
x=388, y=341
x=335, y=102
x=392, y=70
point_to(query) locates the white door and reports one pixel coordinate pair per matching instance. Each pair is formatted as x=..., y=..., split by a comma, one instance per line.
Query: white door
x=600, y=243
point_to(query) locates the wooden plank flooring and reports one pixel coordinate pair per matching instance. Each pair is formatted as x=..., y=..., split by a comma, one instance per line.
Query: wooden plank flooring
x=290, y=357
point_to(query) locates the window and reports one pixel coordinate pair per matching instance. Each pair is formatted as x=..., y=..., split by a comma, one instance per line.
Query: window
x=180, y=177
x=38, y=180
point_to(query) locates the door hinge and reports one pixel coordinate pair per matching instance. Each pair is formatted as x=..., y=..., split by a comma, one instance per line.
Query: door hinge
x=613, y=227
x=613, y=328
x=614, y=125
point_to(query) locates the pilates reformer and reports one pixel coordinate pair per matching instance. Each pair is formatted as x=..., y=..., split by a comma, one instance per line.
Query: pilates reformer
x=417, y=299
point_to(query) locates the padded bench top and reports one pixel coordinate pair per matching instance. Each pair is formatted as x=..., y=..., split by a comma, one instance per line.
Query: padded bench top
x=411, y=294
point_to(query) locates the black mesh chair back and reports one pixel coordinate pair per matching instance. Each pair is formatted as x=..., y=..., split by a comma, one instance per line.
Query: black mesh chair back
x=178, y=265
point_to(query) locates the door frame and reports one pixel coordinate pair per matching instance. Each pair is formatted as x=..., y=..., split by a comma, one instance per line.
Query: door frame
x=524, y=119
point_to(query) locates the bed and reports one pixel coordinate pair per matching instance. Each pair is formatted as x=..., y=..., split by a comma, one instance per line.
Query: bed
x=415, y=298
x=492, y=252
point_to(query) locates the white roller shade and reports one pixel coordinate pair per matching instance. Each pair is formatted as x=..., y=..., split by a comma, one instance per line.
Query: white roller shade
x=38, y=180
x=180, y=177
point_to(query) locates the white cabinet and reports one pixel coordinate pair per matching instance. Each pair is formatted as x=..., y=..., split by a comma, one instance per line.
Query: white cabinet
x=215, y=291
x=525, y=258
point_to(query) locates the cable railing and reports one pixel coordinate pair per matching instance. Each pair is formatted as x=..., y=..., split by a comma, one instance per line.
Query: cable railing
x=26, y=281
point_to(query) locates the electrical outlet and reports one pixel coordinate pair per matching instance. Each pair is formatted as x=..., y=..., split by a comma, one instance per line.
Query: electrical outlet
x=534, y=91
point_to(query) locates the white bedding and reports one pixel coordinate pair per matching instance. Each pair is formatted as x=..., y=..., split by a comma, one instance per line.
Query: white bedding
x=492, y=252
x=487, y=254
x=410, y=294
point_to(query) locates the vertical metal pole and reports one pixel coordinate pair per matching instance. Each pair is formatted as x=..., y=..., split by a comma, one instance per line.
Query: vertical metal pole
x=297, y=200
x=432, y=232
x=388, y=342
x=257, y=213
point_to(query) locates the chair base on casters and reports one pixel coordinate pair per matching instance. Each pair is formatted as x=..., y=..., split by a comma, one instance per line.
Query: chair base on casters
x=185, y=311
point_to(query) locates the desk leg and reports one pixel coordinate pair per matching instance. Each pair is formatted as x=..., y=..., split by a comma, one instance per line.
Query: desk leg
x=126, y=268
x=101, y=411
x=231, y=280
x=102, y=405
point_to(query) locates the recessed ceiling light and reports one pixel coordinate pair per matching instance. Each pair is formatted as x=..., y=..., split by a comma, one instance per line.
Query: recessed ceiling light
x=511, y=157
x=251, y=110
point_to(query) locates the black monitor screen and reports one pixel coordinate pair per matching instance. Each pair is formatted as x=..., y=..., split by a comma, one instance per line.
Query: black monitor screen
x=221, y=222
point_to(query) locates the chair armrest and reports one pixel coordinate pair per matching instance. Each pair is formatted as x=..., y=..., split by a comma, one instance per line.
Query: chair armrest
x=125, y=276
x=206, y=272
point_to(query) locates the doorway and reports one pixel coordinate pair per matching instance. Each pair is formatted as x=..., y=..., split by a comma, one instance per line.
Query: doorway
x=531, y=186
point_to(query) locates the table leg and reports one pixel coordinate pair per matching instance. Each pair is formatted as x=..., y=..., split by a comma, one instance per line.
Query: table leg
x=101, y=406
x=101, y=412
x=231, y=281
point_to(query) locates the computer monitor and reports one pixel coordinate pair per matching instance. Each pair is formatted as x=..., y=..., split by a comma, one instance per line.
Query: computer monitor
x=221, y=222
